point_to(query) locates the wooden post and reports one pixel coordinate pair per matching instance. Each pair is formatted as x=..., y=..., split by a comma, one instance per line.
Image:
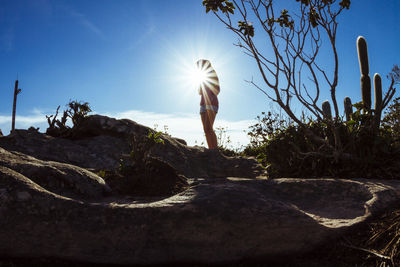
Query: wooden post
x=16, y=92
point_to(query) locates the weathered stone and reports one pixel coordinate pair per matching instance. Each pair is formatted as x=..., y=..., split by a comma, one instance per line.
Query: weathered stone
x=51, y=208
x=103, y=141
x=99, y=152
x=179, y=140
x=60, y=178
x=23, y=196
x=214, y=221
x=154, y=178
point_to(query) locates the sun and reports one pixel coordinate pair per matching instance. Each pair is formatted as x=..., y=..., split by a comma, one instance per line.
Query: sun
x=181, y=74
x=197, y=76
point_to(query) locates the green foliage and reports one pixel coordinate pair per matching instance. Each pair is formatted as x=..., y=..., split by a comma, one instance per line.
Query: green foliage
x=345, y=4
x=77, y=111
x=284, y=19
x=313, y=16
x=391, y=120
x=134, y=169
x=246, y=28
x=140, y=148
x=101, y=173
x=215, y=5
x=285, y=149
x=224, y=143
x=155, y=138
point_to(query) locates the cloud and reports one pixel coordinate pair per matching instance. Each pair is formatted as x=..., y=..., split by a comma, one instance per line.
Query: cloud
x=185, y=126
x=84, y=21
x=36, y=119
x=189, y=127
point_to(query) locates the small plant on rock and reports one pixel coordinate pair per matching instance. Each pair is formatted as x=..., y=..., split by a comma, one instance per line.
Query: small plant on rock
x=76, y=111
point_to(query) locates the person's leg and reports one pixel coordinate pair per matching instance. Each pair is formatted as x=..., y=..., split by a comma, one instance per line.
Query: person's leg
x=208, y=119
x=213, y=137
x=205, y=121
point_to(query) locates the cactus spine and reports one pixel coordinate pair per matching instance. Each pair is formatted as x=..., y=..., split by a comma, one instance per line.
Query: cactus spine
x=364, y=69
x=348, y=108
x=16, y=92
x=326, y=109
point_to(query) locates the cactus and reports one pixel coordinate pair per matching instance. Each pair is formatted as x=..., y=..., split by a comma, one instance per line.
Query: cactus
x=364, y=70
x=348, y=108
x=378, y=98
x=16, y=92
x=366, y=83
x=326, y=109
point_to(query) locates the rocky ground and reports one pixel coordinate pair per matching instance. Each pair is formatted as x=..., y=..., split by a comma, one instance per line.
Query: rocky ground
x=99, y=199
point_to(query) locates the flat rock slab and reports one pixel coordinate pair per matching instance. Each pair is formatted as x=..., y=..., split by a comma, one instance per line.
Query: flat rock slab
x=214, y=221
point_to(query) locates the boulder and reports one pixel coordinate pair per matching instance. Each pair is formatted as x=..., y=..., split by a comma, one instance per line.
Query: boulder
x=213, y=221
x=98, y=153
x=52, y=206
x=100, y=142
x=67, y=180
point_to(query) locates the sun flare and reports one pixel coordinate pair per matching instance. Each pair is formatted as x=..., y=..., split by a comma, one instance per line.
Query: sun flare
x=197, y=76
x=201, y=76
x=183, y=74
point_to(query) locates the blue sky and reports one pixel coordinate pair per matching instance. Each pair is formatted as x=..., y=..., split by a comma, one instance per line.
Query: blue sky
x=127, y=58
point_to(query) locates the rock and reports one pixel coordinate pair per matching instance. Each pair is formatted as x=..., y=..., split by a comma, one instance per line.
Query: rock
x=179, y=140
x=213, y=221
x=52, y=206
x=99, y=152
x=1, y=133
x=60, y=178
x=155, y=178
x=23, y=196
x=100, y=142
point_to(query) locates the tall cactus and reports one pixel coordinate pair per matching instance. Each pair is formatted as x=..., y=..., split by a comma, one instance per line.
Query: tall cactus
x=348, y=108
x=364, y=69
x=326, y=109
x=16, y=92
x=366, y=83
x=378, y=98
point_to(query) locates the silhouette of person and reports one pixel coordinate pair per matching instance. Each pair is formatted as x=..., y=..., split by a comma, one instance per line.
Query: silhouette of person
x=208, y=89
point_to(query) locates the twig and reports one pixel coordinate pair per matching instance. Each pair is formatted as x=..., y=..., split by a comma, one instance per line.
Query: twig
x=369, y=251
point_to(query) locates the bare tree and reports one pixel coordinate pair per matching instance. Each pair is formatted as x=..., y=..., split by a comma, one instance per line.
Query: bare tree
x=295, y=71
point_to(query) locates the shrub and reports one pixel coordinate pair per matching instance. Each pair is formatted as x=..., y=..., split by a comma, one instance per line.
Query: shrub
x=286, y=150
x=76, y=111
x=391, y=120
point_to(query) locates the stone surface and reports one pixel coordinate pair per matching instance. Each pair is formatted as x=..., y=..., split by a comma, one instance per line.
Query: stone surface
x=103, y=141
x=67, y=180
x=51, y=206
x=213, y=221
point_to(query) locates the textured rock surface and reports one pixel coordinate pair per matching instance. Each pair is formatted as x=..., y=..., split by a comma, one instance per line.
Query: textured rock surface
x=104, y=141
x=215, y=220
x=52, y=207
x=67, y=180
